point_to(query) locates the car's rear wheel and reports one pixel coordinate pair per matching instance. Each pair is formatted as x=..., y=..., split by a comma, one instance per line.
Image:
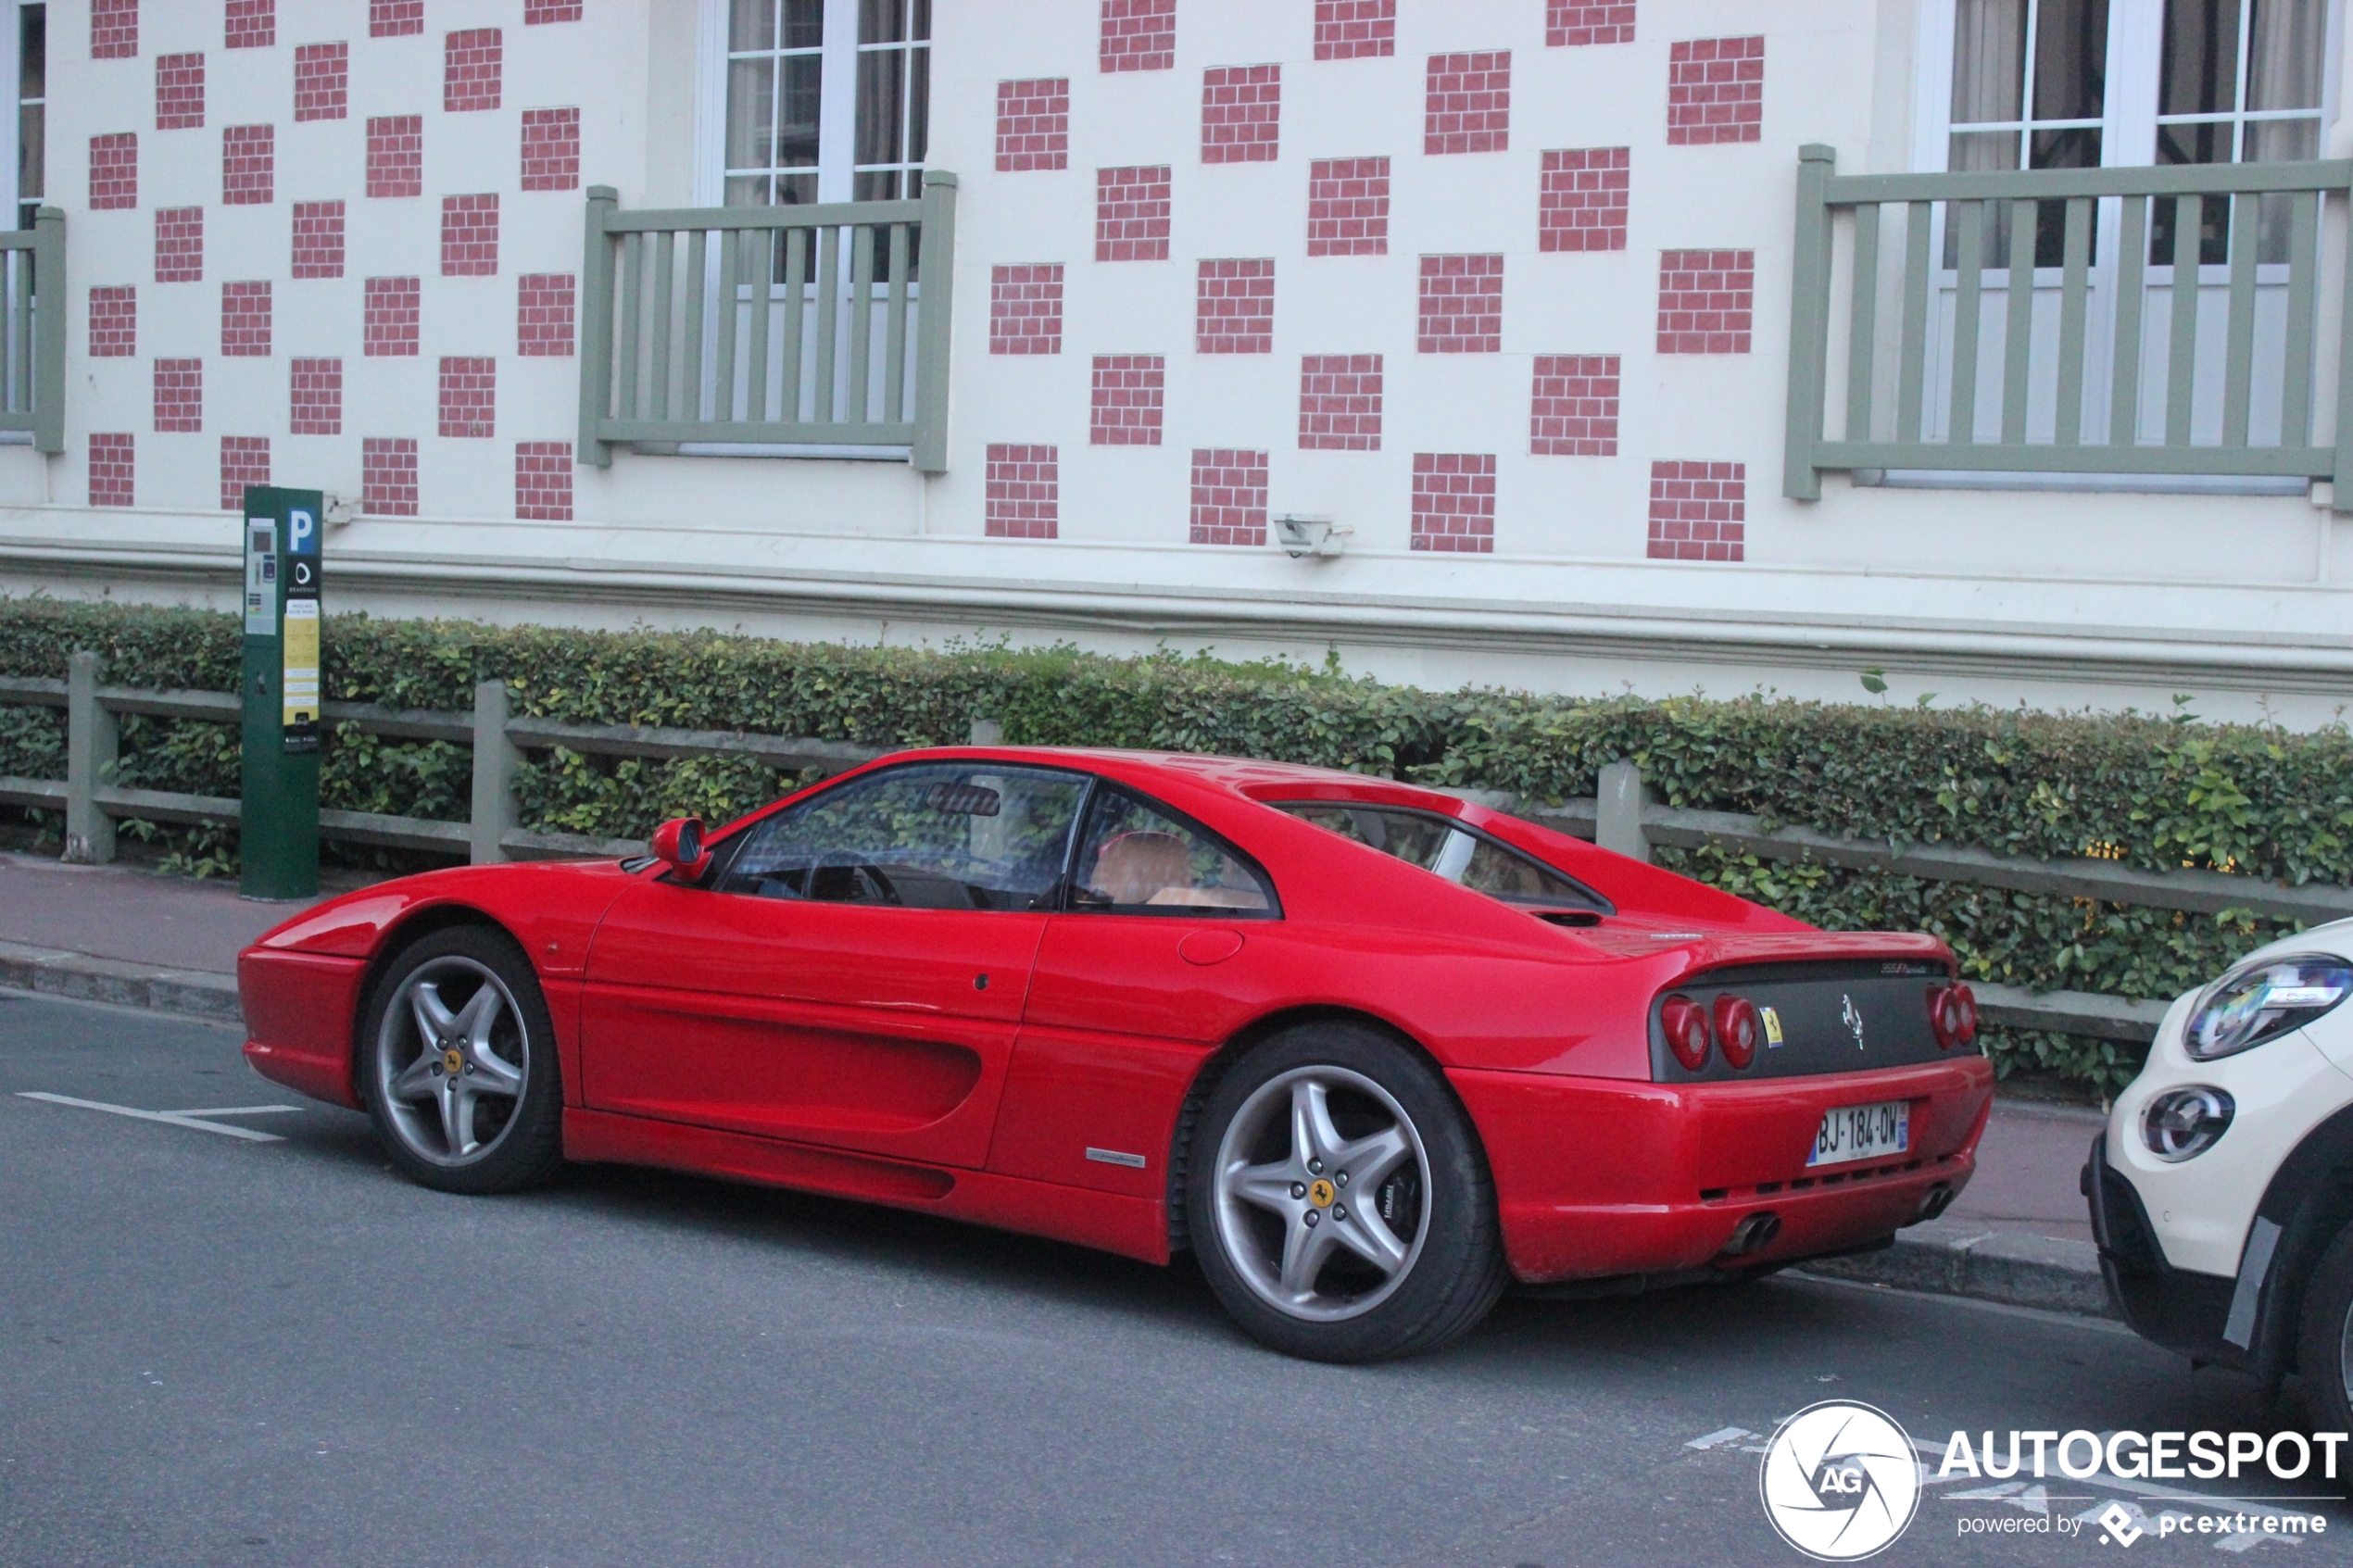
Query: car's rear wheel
x=2324, y=1336
x=458, y=1061
x=1340, y=1201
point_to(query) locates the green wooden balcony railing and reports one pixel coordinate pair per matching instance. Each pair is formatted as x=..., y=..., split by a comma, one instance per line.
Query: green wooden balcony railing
x=32, y=330
x=820, y=326
x=2104, y=362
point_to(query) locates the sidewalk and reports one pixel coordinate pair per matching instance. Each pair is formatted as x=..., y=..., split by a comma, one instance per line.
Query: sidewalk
x=111, y=934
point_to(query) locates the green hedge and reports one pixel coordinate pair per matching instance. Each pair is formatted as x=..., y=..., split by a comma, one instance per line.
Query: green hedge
x=2148, y=791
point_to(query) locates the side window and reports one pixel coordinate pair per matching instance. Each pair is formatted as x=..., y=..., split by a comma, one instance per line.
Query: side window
x=1445, y=849
x=929, y=836
x=1141, y=860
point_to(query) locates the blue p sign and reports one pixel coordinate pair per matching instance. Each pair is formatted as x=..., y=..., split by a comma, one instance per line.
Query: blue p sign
x=302, y=532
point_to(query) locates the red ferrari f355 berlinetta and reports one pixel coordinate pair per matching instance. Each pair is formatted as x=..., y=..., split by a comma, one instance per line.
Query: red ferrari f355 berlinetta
x=1371, y=1053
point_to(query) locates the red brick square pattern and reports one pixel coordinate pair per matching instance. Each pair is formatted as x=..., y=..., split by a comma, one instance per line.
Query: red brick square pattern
x=1229, y=496
x=396, y=155
x=1462, y=305
x=1347, y=29
x=244, y=319
x=543, y=480
x=248, y=165
x=390, y=318
x=1467, y=107
x=1340, y=402
x=1572, y=408
x=538, y=13
x=114, y=322
x=1033, y=124
x=244, y=459
x=179, y=91
x=472, y=63
x=470, y=236
x=318, y=239
x=1455, y=502
x=1574, y=22
x=1124, y=408
x=544, y=315
x=1023, y=492
x=1234, y=307
x=1348, y=206
x=394, y=19
x=179, y=245
x=315, y=397
x=1241, y=113
x=1131, y=214
x=322, y=82
x=1582, y=203
x=1698, y=511
x=112, y=463
x=178, y=395
x=1706, y=301
x=1715, y=91
x=114, y=35
x=114, y=171
x=551, y=149
x=252, y=24
x=1139, y=35
x=1026, y=308
x=469, y=397
x=388, y=473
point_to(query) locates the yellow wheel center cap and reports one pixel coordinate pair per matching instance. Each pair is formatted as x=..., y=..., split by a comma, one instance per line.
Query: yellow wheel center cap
x=453, y=1062
x=1319, y=1193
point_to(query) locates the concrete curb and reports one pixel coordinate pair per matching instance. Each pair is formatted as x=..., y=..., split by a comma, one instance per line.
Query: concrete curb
x=1946, y=1258
x=52, y=972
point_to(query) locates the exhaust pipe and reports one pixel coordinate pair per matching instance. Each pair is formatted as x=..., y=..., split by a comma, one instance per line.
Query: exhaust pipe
x=1937, y=1200
x=1754, y=1234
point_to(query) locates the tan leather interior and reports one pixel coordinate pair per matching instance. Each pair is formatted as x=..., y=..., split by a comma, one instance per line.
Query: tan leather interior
x=1135, y=867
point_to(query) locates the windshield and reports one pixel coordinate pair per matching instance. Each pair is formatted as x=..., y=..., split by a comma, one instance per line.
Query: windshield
x=1445, y=847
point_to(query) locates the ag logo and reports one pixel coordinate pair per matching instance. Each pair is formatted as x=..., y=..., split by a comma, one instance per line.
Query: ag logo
x=1840, y=1481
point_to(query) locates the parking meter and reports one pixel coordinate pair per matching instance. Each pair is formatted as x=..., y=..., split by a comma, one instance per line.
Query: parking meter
x=277, y=836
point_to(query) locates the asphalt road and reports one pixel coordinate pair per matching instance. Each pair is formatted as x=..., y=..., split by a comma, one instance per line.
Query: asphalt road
x=222, y=1351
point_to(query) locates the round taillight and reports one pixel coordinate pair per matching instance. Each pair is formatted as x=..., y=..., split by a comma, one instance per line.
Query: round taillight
x=1686, y=1028
x=1737, y=1029
x=1940, y=1015
x=1951, y=1014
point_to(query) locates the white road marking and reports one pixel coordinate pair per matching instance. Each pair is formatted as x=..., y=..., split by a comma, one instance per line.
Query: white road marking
x=175, y=1118
x=1728, y=1435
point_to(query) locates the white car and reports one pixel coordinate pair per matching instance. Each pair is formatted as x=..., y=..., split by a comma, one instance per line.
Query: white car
x=2222, y=1190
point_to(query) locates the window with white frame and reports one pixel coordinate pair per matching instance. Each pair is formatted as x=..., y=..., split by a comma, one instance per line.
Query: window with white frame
x=823, y=100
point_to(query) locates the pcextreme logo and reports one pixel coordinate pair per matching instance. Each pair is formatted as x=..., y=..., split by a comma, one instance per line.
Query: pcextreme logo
x=1840, y=1481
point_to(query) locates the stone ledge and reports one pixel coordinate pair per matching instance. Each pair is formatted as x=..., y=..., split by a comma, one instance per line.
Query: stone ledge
x=1945, y=1258
x=52, y=972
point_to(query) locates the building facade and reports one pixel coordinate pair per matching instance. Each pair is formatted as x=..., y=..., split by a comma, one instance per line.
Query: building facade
x=1658, y=345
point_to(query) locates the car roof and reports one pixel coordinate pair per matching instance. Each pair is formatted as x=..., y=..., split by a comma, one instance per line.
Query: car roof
x=1250, y=777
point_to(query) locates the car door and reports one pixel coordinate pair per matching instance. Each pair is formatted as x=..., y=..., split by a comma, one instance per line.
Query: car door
x=850, y=973
x=1165, y=940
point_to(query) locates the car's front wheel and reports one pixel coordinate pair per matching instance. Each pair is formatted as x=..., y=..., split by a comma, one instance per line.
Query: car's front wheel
x=1338, y=1199
x=458, y=1061
x=2324, y=1336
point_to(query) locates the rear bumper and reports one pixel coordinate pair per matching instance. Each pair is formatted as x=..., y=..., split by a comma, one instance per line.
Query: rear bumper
x=1597, y=1178
x=300, y=1011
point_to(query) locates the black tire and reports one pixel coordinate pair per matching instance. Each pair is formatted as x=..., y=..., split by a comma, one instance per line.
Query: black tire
x=1453, y=1267
x=516, y=1140
x=2324, y=1338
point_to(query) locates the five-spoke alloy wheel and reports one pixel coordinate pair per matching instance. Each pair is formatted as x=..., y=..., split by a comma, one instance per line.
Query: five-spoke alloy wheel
x=459, y=1069
x=1340, y=1202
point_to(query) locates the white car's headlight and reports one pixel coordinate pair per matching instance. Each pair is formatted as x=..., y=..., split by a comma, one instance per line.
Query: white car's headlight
x=2263, y=1000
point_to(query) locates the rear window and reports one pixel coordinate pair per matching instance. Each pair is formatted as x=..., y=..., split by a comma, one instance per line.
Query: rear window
x=1445, y=847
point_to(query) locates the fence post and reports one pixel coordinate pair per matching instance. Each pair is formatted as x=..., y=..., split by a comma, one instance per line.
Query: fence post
x=49, y=330
x=939, y=280
x=595, y=327
x=495, y=760
x=1809, y=323
x=987, y=731
x=92, y=736
x=1618, y=812
x=2341, y=481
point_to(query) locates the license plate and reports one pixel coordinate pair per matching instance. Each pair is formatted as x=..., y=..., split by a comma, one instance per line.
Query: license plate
x=1862, y=1132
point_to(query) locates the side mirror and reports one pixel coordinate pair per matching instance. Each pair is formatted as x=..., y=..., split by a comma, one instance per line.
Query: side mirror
x=678, y=845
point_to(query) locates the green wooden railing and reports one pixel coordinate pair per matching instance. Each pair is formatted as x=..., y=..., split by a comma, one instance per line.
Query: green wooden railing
x=820, y=326
x=2123, y=371
x=32, y=330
